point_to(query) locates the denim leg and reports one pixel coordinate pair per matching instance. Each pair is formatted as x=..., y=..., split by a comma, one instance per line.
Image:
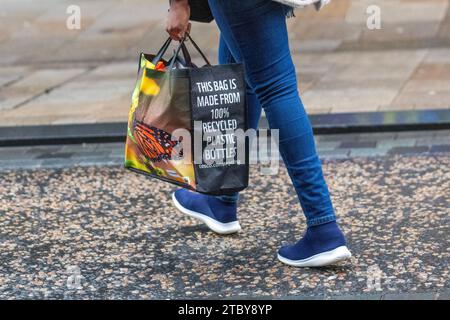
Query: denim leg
x=253, y=105
x=255, y=33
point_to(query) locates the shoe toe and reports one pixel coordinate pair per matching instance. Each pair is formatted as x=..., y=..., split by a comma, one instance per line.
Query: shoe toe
x=181, y=195
x=285, y=251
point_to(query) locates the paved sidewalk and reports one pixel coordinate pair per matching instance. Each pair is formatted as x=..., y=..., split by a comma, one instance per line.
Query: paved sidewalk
x=94, y=230
x=52, y=75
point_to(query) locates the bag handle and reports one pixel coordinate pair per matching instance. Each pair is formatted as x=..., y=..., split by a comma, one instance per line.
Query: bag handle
x=161, y=51
x=186, y=55
x=182, y=46
x=198, y=49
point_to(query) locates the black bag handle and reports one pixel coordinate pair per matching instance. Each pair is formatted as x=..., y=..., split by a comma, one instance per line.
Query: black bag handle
x=161, y=51
x=182, y=46
x=187, y=56
x=175, y=55
x=198, y=49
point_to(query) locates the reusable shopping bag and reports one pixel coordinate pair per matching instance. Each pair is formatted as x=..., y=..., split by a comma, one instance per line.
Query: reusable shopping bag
x=208, y=103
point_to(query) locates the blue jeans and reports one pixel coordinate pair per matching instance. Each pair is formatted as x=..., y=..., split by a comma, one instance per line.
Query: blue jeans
x=254, y=32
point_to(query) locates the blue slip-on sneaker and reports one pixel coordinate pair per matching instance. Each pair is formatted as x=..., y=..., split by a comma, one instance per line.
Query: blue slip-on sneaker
x=321, y=245
x=218, y=215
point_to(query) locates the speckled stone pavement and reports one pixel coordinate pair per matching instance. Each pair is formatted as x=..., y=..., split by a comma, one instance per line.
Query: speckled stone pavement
x=126, y=239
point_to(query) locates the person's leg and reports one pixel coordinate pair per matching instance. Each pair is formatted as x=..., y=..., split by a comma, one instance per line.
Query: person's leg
x=255, y=32
x=253, y=105
x=219, y=213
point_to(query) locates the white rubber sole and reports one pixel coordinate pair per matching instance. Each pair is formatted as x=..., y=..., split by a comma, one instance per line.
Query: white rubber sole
x=320, y=259
x=216, y=226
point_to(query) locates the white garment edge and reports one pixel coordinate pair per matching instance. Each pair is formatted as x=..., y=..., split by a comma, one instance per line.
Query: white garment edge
x=319, y=4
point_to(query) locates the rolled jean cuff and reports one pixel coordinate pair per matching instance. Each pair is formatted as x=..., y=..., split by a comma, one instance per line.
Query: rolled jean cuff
x=232, y=198
x=321, y=220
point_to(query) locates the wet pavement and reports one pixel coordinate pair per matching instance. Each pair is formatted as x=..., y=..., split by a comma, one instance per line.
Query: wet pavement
x=72, y=229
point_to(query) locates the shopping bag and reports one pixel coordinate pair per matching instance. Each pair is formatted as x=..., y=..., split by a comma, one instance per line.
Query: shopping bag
x=207, y=104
